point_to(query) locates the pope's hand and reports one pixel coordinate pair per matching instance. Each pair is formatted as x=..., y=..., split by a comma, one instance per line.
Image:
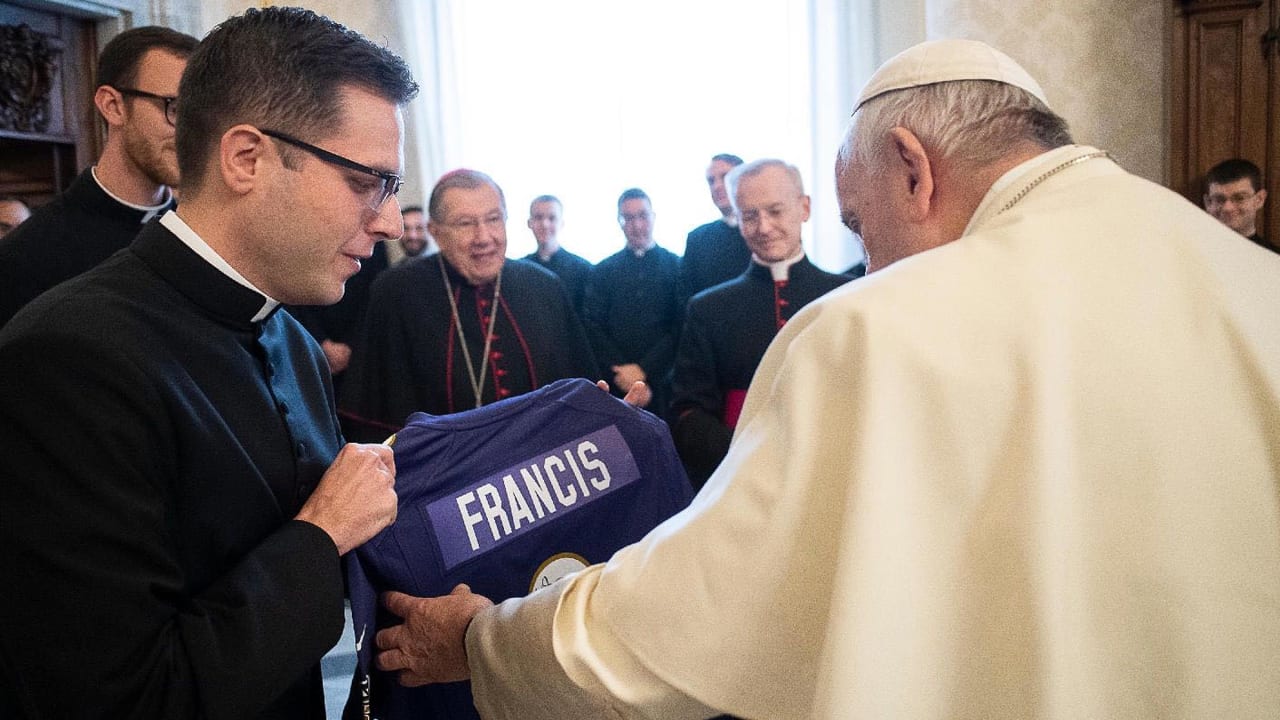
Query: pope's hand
x=430, y=645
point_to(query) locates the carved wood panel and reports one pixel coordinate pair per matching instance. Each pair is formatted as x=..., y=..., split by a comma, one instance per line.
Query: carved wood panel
x=28, y=63
x=49, y=130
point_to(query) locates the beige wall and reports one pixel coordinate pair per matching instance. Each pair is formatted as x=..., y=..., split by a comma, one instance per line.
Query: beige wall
x=1101, y=62
x=378, y=20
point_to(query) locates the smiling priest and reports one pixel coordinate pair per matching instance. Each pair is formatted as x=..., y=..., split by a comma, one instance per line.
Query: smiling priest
x=464, y=327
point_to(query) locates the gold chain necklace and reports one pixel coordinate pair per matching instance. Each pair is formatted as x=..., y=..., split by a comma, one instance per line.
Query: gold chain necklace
x=1050, y=173
x=477, y=384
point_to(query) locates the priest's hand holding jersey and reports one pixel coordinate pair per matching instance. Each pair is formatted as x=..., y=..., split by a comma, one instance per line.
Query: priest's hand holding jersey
x=356, y=497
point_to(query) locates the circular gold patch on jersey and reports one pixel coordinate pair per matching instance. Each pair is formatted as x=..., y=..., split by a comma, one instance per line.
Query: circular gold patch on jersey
x=556, y=567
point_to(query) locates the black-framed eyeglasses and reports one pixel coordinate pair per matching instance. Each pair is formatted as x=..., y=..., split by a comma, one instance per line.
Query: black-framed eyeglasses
x=170, y=102
x=391, y=183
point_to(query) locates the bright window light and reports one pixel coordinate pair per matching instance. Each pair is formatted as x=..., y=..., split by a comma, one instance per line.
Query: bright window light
x=583, y=99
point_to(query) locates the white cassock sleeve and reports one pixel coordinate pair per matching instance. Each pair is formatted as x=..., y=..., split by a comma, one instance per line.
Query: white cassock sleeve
x=721, y=609
x=517, y=649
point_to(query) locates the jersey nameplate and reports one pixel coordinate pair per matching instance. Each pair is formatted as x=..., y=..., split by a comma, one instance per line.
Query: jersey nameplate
x=531, y=494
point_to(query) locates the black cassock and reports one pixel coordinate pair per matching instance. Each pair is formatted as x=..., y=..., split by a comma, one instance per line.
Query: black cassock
x=156, y=443
x=572, y=270
x=73, y=233
x=631, y=316
x=410, y=359
x=726, y=333
x=713, y=253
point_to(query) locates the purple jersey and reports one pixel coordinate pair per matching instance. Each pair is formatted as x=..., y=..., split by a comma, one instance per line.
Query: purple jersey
x=507, y=498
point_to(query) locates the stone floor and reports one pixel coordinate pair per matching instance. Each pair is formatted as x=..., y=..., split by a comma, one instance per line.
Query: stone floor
x=338, y=666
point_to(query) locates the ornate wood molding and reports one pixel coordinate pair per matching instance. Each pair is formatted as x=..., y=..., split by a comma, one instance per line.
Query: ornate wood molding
x=83, y=9
x=1191, y=7
x=28, y=63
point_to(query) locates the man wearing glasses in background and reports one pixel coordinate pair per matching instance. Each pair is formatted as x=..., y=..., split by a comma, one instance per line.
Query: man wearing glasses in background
x=102, y=211
x=176, y=496
x=1234, y=195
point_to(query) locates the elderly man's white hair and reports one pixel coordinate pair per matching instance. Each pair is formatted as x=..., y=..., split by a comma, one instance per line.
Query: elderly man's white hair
x=968, y=122
x=966, y=101
x=755, y=167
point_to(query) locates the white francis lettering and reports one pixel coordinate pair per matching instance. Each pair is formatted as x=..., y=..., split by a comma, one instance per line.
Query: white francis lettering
x=570, y=496
x=519, y=508
x=543, y=494
x=601, y=481
x=544, y=486
x=537, y=488
x=491, y=501
x=469, y=520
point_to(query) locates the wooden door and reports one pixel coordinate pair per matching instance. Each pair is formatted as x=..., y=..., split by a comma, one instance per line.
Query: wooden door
x=1225, y=95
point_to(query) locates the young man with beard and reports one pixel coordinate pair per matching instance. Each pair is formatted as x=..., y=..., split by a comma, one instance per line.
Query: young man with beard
x=415, y=241
x=106, y=206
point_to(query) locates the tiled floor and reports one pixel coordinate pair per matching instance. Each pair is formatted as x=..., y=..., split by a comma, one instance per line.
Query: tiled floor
x=338, y=666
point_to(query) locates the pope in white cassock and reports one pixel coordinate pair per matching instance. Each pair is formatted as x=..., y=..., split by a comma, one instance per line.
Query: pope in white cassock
x=1026, y=468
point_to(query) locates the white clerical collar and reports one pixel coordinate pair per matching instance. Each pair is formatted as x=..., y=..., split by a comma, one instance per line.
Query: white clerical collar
x=149, y=211
x=641, y=252
x=780, y=270
x=183, y=231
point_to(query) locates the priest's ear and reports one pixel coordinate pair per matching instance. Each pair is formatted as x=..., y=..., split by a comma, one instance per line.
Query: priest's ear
x=111, y=106
x=243, y=158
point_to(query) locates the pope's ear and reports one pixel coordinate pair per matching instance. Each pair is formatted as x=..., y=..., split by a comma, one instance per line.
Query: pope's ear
x=917, y=171
x=241, y=152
